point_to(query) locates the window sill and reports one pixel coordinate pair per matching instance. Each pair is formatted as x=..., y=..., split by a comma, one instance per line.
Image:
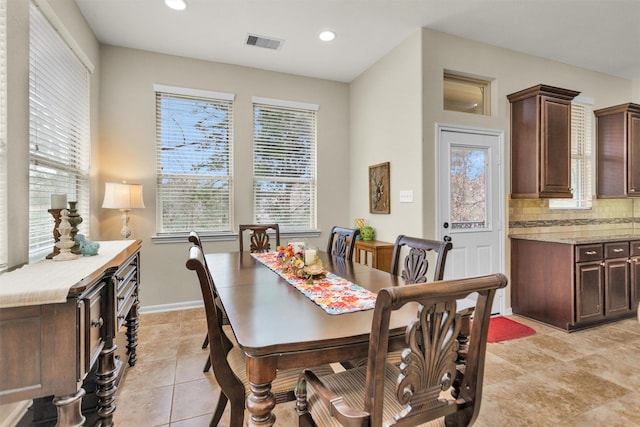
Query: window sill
x=224, y=236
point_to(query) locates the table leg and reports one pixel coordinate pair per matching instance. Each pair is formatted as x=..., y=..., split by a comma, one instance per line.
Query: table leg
x=260, y=402
x=70, y=410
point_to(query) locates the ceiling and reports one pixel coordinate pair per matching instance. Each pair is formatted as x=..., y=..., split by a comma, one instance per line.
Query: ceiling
x=601, y=35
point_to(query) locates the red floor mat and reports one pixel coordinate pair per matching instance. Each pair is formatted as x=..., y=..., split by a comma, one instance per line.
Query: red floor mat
x=503, y=329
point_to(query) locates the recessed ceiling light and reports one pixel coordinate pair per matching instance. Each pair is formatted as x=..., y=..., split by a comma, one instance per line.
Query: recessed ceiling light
x=327, y=36
x=176, y=4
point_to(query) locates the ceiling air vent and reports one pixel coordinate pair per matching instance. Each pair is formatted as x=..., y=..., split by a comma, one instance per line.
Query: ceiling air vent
x=259, y=41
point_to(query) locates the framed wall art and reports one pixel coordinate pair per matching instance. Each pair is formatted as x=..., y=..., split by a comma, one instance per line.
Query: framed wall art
x=379, y=189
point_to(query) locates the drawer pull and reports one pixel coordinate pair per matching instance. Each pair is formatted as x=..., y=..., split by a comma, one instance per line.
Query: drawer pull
x=591, y=252
x=97, y=323
x=120, y=298
x=618, y=250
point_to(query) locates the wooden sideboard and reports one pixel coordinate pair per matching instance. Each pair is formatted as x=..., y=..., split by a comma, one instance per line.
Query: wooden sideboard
x=48, y=349
x=379, y=253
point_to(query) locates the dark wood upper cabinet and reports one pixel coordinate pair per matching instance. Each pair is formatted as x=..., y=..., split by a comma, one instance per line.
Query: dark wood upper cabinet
x=541, y=142
x=618, y=148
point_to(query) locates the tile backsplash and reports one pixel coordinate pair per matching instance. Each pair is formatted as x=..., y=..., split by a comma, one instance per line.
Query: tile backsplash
x=529, y=216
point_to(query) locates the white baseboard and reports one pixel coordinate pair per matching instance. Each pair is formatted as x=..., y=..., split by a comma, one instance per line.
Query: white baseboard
x=12, y=413
x=170, y=307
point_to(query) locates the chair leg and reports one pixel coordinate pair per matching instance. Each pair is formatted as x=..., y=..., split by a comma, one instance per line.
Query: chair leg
x=207, y=365
x=237, y=414
x=222, y=403
x=206, y=341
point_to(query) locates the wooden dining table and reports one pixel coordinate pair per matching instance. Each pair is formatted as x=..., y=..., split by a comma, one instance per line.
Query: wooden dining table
x=278, y=327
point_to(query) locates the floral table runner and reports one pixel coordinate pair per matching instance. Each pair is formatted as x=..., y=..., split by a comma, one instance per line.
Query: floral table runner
x=332, y=293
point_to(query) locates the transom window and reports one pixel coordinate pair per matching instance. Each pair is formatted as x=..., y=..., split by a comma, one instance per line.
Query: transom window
x=466, y=94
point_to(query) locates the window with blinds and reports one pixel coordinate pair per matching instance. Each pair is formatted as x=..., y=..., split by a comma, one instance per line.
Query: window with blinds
x=581, y=158
x=194, y=160
x=3, y=135
x=59, y=144
x=284, y=164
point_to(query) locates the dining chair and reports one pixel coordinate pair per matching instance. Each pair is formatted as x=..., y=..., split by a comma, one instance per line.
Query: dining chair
x=415, y=264
x=228, y=359
x=194, y=238
x=342, y=242
x=258, y=237
x=414, y=269
x=429, y=385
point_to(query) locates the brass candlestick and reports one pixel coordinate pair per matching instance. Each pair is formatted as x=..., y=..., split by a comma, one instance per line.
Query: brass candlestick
x=56, y=233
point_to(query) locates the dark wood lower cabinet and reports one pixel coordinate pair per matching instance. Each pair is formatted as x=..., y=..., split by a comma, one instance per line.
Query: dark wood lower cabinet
x=589, y=291
x=573, y=286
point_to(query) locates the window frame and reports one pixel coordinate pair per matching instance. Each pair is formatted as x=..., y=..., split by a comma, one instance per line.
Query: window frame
x=197, y=96
x=60, y=144
x=582, y=153
x=284, y=107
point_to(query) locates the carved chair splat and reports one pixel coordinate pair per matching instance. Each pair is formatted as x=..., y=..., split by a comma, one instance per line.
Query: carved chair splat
x=423, y=387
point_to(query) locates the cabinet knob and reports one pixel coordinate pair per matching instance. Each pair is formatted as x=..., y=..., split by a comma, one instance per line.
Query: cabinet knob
x=97, y=323
x=602, y=264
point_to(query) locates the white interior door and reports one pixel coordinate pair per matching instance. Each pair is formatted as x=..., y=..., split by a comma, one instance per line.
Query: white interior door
x=470, y=199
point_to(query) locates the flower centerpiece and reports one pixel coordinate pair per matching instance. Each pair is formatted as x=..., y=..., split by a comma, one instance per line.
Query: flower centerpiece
x=293, y=263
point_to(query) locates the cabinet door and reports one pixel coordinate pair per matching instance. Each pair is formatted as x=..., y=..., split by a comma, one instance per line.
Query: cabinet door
x=589, y=291
x=616, y=281
x=555, y=173
x=633, y=187
x=635, y=281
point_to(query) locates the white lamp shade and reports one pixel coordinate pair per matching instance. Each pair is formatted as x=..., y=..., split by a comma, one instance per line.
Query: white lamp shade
x=122, y=196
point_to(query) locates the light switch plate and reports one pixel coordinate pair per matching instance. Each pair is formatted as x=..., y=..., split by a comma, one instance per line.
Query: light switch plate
x=406, y=196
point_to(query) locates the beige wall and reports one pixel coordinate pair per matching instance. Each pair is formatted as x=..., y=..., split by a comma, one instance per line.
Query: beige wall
x=128, y=144
x=386, y=117
x=18, y=109
x=509, y=71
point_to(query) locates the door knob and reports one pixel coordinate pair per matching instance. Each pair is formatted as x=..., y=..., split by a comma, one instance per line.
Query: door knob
x=447, y=238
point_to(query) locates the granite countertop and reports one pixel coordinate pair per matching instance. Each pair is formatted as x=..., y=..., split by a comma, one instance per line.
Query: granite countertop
x=583, y=237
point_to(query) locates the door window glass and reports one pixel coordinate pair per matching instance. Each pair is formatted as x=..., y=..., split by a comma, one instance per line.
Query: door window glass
x=468, y=188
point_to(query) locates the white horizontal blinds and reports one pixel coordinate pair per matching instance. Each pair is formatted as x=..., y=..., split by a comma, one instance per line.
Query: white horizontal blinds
x=284, y=166
x=59, y=143
x=581, y=158
x=3, y=135
x=581, y=153
x=194, y=161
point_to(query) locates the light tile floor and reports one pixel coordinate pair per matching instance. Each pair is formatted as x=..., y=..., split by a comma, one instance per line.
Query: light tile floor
x=586, y=378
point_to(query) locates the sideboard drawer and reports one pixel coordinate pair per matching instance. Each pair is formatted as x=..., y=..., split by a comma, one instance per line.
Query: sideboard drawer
x=635, y=248
x=94, y=326
x=589, y=253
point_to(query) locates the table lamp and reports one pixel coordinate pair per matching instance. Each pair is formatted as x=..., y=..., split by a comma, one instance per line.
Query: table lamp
x=124, y=197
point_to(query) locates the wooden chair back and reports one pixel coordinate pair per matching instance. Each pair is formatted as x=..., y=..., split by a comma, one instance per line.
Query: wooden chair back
x=415, y=266
x=219, y=343
x=342, y=242
x=258, y=237
x=429, y=365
